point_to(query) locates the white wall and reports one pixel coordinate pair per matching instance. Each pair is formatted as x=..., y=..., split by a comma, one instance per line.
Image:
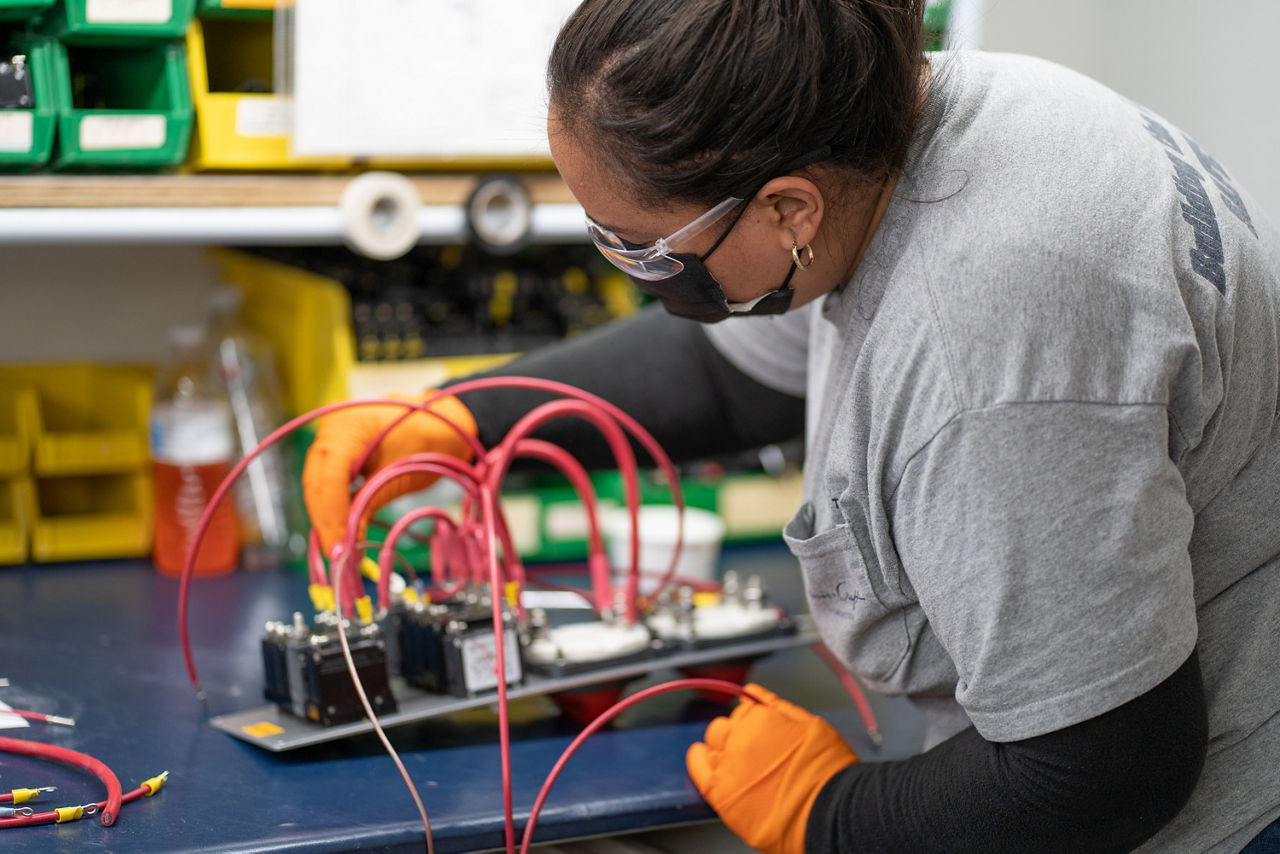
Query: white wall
x=1208, y=66
x=97, y=303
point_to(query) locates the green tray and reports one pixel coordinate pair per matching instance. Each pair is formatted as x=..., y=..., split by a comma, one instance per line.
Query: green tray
x=22, y=10
x=26, y=136
x=142, y=112
x=116, y=22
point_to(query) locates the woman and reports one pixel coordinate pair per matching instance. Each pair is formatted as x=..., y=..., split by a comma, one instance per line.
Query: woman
x=1029, y=331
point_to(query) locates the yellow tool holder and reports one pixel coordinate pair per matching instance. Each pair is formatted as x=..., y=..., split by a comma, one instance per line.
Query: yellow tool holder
x=17, y=427
x=75, y=475
x=307, y=319
x=87, y=419
x=93, y=516
x=240, y=130
x=16, y=507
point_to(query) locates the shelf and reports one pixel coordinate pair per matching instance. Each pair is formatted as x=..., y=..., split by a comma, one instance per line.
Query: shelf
x=241, y=209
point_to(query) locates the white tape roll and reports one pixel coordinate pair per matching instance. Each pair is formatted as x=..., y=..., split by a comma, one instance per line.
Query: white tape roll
x=380, y=214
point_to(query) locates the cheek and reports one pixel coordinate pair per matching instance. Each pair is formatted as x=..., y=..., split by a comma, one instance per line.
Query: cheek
x=747, y=272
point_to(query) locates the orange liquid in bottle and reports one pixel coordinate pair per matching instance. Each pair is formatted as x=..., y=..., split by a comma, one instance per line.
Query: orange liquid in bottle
x=181, y=493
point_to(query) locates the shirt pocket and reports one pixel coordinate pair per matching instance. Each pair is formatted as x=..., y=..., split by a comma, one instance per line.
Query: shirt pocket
x=851, y=605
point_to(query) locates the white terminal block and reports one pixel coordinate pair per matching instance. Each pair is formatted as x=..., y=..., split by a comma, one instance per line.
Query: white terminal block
x=717, y=622
x=581, y=643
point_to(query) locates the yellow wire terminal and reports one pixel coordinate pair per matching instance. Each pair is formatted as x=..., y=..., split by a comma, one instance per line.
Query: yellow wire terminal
x=321, y=597
x=364, y=607
x=69, y=814
x=512, y=589
x=705, y=599
x=21, y=796
x=153, y=785
x=369, y=569
x=410, y=594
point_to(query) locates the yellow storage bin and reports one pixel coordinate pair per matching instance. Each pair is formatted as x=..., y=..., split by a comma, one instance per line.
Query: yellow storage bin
x=88, y=419
x=15, y=519
x=17, y=427
x=238, y=129
x=92, y=517
x=306, y=317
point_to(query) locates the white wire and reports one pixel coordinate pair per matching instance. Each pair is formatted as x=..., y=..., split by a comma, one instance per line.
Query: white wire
x=368, y=707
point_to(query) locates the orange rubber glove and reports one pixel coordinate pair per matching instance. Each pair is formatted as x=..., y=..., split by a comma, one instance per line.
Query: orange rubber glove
x=762, y=768
x=342, y=437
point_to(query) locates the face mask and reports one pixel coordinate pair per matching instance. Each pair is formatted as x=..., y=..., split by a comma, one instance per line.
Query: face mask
x=695, y=294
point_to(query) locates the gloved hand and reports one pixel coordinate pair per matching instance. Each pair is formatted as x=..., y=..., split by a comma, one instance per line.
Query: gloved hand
x=762, y=768
x=342, y=437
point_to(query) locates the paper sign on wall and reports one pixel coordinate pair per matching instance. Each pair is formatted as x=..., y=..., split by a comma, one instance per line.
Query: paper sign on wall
x=403, y=77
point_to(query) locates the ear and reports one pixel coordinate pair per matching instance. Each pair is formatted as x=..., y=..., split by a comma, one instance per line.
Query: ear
x=794, y=207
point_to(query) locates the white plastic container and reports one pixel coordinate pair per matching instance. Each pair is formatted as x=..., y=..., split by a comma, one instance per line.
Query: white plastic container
x=699, y=554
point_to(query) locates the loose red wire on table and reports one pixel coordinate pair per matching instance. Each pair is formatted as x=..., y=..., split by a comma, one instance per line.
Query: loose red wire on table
x=83, y=761
x=715, y=685
x=52, y=816
x=39, y=716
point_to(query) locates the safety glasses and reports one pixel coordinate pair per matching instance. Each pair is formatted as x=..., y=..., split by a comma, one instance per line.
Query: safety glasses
x=656, y=262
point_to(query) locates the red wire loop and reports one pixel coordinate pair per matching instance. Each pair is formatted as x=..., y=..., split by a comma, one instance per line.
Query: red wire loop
x=110, y=807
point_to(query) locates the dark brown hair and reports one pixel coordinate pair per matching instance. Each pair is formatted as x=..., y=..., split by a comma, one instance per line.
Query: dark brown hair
x=698, y=100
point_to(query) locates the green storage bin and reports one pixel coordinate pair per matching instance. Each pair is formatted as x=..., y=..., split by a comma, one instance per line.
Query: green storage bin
x=116, y=22
x=26, y=136
x=124, y=107
x=22, y=10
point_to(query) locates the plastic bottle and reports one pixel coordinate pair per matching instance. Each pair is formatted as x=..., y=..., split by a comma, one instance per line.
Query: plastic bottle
x=267, y=496
x=192, y=450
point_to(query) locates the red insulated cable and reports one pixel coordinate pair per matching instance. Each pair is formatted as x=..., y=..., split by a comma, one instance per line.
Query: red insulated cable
x=410, y=407
x=184, y=586
x=632, y=426
x=51, y=816
x=623, y=456
x=854, y=690
x=111, y=806
x=39, y=716
x=622, y=705
x=386, y=555
x=364, y=498
x=489, y=508
x=597, y=564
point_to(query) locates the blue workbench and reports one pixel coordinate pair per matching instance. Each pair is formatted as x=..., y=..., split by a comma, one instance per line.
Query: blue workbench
x=98, y=642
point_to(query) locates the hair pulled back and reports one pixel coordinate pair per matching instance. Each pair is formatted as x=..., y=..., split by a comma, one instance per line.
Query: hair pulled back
x=698, y=100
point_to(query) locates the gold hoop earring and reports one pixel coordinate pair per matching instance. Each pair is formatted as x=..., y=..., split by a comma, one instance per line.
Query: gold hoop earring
x=795, y=254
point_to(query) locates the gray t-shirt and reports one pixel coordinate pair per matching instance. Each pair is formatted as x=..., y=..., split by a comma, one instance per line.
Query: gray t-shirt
x=1042, y=456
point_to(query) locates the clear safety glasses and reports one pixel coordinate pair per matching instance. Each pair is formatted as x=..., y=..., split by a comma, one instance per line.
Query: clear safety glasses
x=653, y=263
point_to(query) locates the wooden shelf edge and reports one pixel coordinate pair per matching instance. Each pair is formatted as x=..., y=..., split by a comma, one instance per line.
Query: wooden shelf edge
x=225, y=191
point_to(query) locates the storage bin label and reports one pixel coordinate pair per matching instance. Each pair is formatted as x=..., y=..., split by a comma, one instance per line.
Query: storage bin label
x=16, y=132
x=128, y=11
x=101, y=133
x=259, y=116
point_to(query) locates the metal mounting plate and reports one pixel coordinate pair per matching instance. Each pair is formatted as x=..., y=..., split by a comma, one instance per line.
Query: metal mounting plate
x=271, y=728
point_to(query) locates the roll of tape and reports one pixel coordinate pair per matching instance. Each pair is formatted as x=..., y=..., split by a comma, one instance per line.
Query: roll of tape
x=500, y=214
x=380, y=214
